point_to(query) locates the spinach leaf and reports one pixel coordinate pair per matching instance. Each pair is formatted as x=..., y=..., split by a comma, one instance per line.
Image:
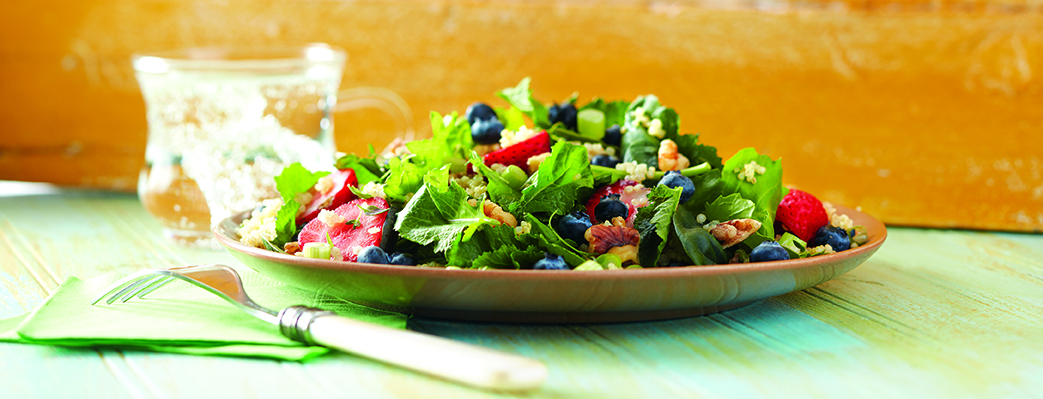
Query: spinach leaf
x=766, y=193
x=486, y=239
x=559, y=182
x=688, y=145
x=366, y=169
x=700, y=246
x=520, y=97
x=439, y=212
x=707, y=188
x=729, y=207
x=653, y=223
x=639, y=146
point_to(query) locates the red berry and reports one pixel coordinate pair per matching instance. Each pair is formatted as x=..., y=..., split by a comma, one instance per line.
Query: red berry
x=348, y=237
x=519, y=153
x=802, y=214
x=638, y=195
x=336, y=196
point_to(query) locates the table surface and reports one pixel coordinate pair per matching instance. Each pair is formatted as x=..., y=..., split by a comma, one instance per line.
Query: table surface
x=933, y=314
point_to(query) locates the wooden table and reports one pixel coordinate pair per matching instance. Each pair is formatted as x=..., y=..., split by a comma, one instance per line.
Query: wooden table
x=934, y=313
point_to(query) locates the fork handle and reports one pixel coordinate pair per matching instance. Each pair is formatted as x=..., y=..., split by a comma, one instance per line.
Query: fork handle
x=440, y=357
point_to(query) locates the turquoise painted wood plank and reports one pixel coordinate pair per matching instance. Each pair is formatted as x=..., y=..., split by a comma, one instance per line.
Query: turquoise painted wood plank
x=934, y=314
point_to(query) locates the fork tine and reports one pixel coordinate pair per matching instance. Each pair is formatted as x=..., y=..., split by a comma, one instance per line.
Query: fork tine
x=155, y=285
x=117, y=286
x=136, y=283
x=144, y=283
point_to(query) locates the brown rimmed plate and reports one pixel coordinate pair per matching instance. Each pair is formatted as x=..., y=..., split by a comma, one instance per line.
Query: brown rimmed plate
x=535, y=296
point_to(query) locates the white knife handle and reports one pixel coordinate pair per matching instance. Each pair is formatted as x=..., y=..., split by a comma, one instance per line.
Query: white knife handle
x=451, y=360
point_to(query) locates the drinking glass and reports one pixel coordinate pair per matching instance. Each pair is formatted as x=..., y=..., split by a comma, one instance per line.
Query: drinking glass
x=223, y=121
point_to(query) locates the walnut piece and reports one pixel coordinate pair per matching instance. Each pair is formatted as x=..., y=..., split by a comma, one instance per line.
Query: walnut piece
x=734, y=231
x=602, y=238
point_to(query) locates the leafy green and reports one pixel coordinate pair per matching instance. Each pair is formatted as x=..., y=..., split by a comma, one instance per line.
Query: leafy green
x=729, y=207
x=766, y=193
x=450, y=138
x=688, y=145
x=604, y=176
x=511, y=118
x=486, y=239
x=615, y=111
x=700, y=246
x=639, y=146
x=520, y=97
x=653, y=223
x=544, y=237
x=295, y=179
x=707, y=188
x=439, y=212
x=558, y=130
x=499, y=190
x=559, y=181
x=404, y=179
x=366, y=169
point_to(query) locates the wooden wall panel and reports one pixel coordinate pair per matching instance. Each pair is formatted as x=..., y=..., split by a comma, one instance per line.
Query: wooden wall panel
x=923, y=113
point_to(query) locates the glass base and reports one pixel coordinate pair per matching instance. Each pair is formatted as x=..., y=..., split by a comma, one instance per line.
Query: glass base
x=192, y=238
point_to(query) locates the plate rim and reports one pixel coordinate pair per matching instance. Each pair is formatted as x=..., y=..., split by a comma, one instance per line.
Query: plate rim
x=876, y=231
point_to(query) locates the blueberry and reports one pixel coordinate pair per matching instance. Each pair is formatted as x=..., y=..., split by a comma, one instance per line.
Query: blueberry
x=564, y=113
x=834, y=236
x=605, y=160
x=612, y=135
x=486, y=131
x=610, y=207
x=550, y=262
x=479, y=112
x=373, y=254
x=768, y=251
x=675, y=179
x=573, y=226
x=403, y=259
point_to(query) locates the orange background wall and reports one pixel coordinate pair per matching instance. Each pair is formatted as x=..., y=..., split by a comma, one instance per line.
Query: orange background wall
x=923, y=113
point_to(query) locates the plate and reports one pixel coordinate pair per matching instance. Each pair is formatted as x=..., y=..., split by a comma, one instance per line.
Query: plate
x=539, y=296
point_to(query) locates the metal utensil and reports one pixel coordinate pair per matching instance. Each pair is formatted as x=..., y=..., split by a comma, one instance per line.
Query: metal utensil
x=439, y=357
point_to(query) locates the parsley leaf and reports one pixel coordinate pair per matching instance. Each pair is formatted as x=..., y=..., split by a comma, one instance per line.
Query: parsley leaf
x=766, y=193
x=559, y=181
x=286, y=223
x=520, y=97
x=439, y=212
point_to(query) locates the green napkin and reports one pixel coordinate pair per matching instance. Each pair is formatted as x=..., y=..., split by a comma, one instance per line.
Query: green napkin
x=178, y=318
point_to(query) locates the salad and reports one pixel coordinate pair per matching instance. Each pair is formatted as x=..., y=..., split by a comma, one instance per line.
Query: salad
x=605, y=185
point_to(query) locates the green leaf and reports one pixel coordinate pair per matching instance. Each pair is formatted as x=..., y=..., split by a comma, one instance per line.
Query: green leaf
x=439, y=212
x=639, y=146
x=543, y=236
x=486, y=239
x=688, y=145
x=729, y=207
x=366, y=169
x=558, y=182
x=286, y=223
x=450, y=138
x=520, y=97
x=700, y=246
x=653, y=223
x=499, y=190
x=404, y=179
x=559, y=131
x=707, y=188
x=295, y=179
x=766, y=193
x=604, y=176
x=511, y=118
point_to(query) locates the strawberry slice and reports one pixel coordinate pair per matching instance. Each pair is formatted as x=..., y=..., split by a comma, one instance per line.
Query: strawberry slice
x=635, y=198
x=348, y=237
x=802, y=214
x=519, y=153
x=335, y=196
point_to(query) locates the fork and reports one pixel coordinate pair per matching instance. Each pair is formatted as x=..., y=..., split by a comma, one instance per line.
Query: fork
x=439, y=357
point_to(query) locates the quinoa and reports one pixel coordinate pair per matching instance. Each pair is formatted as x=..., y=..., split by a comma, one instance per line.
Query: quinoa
x=260, y=227
x=636, y=171
x=509, y=138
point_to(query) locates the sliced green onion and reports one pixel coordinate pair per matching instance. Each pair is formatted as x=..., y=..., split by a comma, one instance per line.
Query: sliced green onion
x=514, y=176
x=591, y=123
x=317, y=250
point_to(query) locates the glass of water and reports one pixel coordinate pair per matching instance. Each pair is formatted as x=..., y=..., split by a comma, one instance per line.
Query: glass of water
x=223, y=121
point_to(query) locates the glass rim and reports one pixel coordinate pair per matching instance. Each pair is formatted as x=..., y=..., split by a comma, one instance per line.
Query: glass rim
x=238, y=58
